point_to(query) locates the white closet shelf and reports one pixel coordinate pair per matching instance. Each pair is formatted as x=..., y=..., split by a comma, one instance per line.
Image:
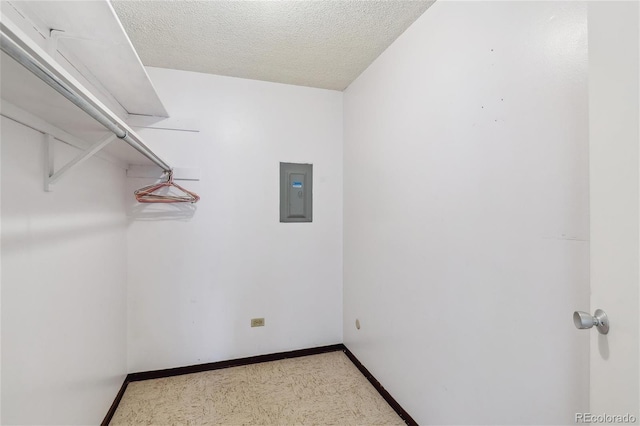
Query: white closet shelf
x=91, y=44
x=34, y=85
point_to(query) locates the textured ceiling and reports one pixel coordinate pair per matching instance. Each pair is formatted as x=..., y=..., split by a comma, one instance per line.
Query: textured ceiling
x=324, y=44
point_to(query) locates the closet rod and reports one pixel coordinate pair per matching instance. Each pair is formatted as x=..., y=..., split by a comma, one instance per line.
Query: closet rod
x=35, y=60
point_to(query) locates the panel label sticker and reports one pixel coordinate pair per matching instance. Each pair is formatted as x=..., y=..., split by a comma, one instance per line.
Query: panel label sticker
x=297, y=184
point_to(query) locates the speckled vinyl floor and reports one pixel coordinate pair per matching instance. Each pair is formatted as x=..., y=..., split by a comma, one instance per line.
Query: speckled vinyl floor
x=325, y=389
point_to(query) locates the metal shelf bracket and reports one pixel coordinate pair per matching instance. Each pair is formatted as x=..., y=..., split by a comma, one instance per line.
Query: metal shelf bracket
x=51, y=176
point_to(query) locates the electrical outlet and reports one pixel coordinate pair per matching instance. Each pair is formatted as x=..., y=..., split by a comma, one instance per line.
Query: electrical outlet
x=257, y=322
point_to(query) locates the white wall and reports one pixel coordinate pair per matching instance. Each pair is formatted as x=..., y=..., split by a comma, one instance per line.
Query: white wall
x=466, y=214
x=63, y=285
x=197, y=278
x=0, y=279
x=614, y=112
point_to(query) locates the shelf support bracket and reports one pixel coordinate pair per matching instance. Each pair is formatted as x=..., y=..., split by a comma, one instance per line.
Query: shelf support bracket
x=48, y=160
x=52, y=177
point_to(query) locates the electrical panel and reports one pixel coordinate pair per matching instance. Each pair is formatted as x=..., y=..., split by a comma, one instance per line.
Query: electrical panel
x=296, y=185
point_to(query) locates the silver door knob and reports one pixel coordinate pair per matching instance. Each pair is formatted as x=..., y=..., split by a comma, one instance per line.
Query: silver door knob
x=599, y=318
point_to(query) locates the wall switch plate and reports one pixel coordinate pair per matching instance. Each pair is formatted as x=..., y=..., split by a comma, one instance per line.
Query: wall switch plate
x=257, y=322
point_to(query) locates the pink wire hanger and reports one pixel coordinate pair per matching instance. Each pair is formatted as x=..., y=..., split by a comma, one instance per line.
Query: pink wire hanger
x=146, y=194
